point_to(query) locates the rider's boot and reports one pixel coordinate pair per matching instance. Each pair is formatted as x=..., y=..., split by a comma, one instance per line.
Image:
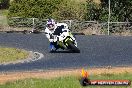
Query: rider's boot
x=52, y=48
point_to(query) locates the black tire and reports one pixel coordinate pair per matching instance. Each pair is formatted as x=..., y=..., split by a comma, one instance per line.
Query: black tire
x=73, y=47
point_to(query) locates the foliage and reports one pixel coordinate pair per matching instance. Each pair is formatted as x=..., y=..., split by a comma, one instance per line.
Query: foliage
x=70, y=10
x=33, y=8
x=58, y=9
x=121, y=10
x=4, y=4
x=96, y=12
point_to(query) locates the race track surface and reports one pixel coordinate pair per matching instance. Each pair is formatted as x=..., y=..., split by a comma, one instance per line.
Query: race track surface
x=96, y=51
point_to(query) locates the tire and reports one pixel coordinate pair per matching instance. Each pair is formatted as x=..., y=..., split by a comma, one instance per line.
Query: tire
x=73, y=47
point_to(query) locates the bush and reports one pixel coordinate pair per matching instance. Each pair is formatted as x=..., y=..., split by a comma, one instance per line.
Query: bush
x=70, y=10
x=33, y=8
x=97, y=12
x=93, y=11
x=43, y=9
x=4, y=4
x=120, y=10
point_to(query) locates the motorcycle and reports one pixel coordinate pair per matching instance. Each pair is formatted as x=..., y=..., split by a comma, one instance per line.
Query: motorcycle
x=64, y=39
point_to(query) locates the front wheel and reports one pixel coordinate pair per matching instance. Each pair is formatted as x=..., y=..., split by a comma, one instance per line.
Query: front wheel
x=73, y=47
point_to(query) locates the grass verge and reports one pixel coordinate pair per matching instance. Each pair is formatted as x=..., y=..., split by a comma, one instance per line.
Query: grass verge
x=3, y=12
x=12, y=54
x=65, y=82
x=3, y=17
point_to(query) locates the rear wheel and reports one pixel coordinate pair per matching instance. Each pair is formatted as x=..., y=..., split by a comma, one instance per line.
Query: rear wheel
x=73, y=47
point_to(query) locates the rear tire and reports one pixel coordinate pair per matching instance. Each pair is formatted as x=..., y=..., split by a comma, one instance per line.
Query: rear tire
x=73, y=47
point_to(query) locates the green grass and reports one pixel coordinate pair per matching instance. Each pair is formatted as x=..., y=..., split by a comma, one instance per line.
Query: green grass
x=3, y=17
x=12, y=54
x=65, y=82
x=4, y=12
x=3, y=20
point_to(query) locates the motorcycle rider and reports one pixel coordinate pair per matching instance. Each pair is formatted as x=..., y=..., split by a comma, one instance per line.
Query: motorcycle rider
x=51, y=30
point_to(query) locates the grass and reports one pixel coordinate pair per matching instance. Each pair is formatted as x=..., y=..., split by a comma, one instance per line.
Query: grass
x=12, y=54
x=3, y=12
x=65, y=82
x=3, y=18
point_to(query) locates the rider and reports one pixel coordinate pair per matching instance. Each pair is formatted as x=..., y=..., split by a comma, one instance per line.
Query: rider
x=51, y=27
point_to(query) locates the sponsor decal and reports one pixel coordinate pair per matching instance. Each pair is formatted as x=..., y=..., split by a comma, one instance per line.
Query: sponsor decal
x=85, y=81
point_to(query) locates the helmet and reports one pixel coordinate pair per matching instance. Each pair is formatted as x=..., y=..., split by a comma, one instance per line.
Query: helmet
x=50, y=24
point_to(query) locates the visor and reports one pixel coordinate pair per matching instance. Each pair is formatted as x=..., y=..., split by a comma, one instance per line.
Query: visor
x=50, y=26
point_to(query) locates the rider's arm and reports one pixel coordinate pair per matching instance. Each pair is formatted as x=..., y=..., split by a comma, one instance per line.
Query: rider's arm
x=64, y=24
x=47, y=33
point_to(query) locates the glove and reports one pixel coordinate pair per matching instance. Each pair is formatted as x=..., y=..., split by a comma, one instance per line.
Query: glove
x=51, y=36
x=51, y=39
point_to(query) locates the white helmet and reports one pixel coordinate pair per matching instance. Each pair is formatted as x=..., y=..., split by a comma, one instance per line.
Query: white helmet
x=50, y=24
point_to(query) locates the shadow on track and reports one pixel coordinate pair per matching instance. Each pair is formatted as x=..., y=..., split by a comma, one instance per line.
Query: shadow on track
x=64, y=52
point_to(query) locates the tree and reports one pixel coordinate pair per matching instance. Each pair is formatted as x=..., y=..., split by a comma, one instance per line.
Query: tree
x=121, y=10
x=93, y=11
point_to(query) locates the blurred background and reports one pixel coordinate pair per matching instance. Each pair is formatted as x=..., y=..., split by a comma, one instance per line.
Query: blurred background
x=100, y=17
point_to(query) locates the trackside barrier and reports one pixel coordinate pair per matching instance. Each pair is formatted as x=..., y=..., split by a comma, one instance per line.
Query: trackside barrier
x=35, y=25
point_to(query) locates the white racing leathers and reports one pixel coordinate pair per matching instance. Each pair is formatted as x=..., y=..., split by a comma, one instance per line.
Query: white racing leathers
x=49, y=33
x=62, y=38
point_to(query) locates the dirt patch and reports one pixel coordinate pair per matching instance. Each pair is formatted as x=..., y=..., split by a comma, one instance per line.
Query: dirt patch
x=48, y=74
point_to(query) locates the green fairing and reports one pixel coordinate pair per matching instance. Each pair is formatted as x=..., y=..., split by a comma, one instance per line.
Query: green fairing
x=60, y=43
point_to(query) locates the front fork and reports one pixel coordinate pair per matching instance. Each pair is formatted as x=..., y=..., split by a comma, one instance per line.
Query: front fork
x=61, y=45
x=73, y=38
x=69, y=38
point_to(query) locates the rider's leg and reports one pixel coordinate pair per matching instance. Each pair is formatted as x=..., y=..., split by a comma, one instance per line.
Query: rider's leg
x=53, y=46
x=56, y=46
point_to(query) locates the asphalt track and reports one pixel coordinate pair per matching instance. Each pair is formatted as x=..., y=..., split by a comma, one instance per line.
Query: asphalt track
x=96, y=51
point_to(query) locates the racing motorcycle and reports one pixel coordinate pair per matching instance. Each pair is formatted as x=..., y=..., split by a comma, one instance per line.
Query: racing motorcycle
x=65, y=39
